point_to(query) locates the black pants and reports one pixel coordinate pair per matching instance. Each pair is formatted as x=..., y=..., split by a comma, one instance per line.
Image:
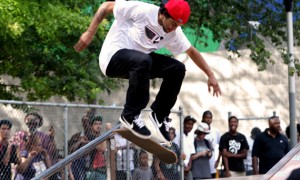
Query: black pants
x=139, y=68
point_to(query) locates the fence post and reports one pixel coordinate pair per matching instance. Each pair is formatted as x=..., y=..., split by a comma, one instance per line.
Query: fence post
x=181, y=141
x=66, y=129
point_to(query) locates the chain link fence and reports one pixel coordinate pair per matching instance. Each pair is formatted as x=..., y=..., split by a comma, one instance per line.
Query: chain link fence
x=66, y=128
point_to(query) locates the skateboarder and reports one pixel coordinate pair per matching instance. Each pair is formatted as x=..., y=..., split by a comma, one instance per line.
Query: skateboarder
x=138, y=30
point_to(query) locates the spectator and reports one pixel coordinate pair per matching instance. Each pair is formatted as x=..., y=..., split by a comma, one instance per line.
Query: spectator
x=203, y=148
x=33, y=122
x=269, y=147
x=34, y=158
x=233, y=146
x=188, y=146
x=295, y=174
x=121, y=156
x=61, y=173
x=78, y=140
x=168, y=171
x=214, y=138
x=143, y=172
x=8, y=151
x=287, y=132
x=248, y=162
x=97, y=163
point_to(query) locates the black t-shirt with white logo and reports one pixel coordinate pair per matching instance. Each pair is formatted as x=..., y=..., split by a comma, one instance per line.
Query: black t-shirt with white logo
x=234, y=144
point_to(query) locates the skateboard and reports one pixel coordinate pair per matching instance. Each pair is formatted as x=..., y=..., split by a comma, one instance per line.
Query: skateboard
x=161, y=152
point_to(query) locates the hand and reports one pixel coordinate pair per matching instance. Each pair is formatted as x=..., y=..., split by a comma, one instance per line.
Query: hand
x=160, y=176
x=32, y=154
x=51, y=133
x=183, y=156
x=212, y=81
x=83, y=140
x=216, y=164
x=227, y=174
x=208, y=152
x=108, y=126
x=43, y=152
x=83, y=42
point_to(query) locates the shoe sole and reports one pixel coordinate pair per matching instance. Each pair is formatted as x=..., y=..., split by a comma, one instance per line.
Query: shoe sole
x=129, y=127
x=162, y=138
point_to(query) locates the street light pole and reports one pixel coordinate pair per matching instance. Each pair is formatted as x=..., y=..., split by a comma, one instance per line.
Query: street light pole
x=291, y=71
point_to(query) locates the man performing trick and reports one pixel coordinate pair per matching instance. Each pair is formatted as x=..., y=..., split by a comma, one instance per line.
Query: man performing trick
x=138, y=30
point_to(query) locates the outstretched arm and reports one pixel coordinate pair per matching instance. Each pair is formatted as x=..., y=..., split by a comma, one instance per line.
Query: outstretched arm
x=201, y=63
x=87, y=36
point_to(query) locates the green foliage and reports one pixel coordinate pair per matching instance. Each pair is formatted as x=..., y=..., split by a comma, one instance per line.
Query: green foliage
x=36, y=45
x=37, y=38
x=229, y=22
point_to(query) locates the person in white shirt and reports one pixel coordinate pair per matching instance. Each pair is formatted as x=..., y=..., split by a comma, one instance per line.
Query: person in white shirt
x=214, y=138
x=123, y=156
x=138, y=30
x=188, y=146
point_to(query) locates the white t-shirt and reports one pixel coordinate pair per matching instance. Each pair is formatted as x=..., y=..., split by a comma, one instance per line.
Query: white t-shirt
x=188, y=147
x=214, y=138
x=136, y=27
x=248, y=160
x=122, y=154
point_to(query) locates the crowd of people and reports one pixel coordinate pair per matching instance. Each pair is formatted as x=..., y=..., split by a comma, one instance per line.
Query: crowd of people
x=25, y=154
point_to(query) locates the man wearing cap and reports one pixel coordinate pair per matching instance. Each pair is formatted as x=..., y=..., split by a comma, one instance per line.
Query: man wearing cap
x=214, y=138
x=203, y=152
x=188, y=146
x=96, y=158
x=128, y=52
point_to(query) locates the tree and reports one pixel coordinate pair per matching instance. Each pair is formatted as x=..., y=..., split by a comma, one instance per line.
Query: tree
x=36, y=45
x=36, y=40
x=246, y=24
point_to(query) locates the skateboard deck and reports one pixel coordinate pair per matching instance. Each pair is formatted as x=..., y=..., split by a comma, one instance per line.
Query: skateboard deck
x=162, y=153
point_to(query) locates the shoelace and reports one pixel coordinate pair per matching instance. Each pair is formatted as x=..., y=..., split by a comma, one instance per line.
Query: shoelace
x=167, y=123
x=139, y=122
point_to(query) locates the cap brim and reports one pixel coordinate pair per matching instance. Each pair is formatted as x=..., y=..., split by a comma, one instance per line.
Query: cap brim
x=198, y=131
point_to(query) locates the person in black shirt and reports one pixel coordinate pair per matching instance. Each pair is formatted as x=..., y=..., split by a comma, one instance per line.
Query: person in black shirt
x=8, y=151
x=269, y=147
x=234, y=147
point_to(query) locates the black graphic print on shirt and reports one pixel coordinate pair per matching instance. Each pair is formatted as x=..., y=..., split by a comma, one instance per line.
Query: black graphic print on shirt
x=153, y=36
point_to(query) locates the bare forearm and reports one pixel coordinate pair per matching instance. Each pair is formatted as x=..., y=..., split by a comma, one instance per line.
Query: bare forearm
x=102, y=146
x=48, y=161
x=226, y=166
x=227, y=154
x=104, y=9
x=199, y=60
x=255, y=165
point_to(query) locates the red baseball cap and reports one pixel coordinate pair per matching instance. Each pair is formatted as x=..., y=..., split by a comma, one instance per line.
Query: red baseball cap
x=179, y=10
